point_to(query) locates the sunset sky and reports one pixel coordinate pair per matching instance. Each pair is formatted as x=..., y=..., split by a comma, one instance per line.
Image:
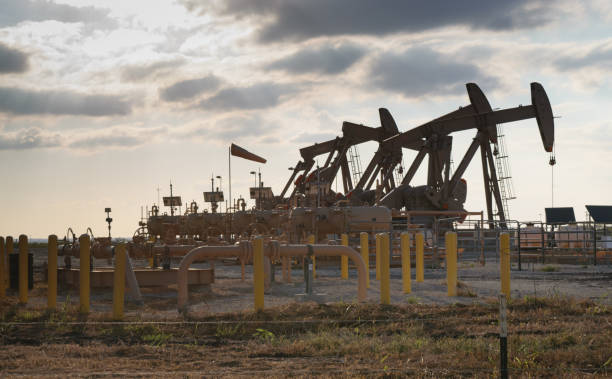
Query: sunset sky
x=103, y=102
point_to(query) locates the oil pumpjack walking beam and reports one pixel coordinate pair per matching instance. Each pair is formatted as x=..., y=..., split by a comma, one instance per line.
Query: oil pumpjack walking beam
x=433, y=139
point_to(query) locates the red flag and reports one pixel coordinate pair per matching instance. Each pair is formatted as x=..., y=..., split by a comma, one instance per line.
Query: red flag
x=238, y=151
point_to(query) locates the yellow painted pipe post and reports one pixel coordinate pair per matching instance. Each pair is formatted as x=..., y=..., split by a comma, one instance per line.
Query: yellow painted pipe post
x=52, y=272
x=258, y=273
x=378, y=247
x=451, y=263
x=311, y=240
x=2, y=269
x=23, y=269
x=504, y=249
x=385, y=285
x=344, y=258
x=84, y=273
x=365, y=254
x=9, y=251
x=151, y=262
x=405, y=246
x=420, y=258
x=119, y=282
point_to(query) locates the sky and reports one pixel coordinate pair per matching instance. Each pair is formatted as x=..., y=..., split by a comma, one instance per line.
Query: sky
x=102, y=103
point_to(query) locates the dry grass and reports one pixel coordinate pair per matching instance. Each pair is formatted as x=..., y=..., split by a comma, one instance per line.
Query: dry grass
x=548, y=338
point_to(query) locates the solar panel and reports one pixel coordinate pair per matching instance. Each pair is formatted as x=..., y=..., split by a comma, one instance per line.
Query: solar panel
x=560, y=215
x=601, y=214
x=172, y=201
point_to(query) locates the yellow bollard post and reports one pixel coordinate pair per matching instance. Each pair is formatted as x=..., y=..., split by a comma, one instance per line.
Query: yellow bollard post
x=84, y=273
x=344, y=258
x=23, y=269
x=258, y=273
x=504, y=261
x=378, y=247
x=365, y=254
x=9, y=250
x=405, y=246
x=151, y=262
x=2, y=268
x=52, y=272
x=119, y=282
x=311, y=240
x=451, y=263
x=385, y=285
x=420, y=258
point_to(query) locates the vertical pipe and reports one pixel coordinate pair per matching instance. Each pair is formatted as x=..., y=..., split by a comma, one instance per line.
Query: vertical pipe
x=378, y=247
x=9, y=251
x=504, y=250
x=52, y=272
x=451, y=263
x=405, y=247
x=258, y=273
x=385, y=293
x=119, y=282
x=344, y=259
x=365, y=254
x=311, y=240
x=23, y=269
x=84, y=273
x=2, y=269
x=420, y=259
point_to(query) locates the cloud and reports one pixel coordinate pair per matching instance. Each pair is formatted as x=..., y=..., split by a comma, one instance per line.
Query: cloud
x=422, y=71
x=257, y=96
x=326, y=60
x=313, y=137
x=27, y=139
x=12, y=60
x=16, y=11
x=27, y=102
x=300, y=20
x=140, y=72
x=233, y=128
x=188, y=89
x=116, y=137
x=599, y=56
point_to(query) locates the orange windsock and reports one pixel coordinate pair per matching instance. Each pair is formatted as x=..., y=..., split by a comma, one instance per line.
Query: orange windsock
x=243, y=153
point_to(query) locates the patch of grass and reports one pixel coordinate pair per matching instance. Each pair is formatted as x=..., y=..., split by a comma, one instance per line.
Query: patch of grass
x=549, y=269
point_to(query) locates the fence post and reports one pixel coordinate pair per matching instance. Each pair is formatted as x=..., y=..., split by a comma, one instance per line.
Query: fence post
x=23, y=269
x=84, y=273
x=365, y=254
x=405, y=247
x=504, y=269
x=420, y=259
x=311, y=240
x=503, y=338
x=119, y=282
x=344, y=259
x=2, y=269
x=258, y=273
x=378, y=247
x=52, y=272
x=451, y=263
x=385, y=290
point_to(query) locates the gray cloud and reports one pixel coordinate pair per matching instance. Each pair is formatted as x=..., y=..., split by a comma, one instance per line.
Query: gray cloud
x=12, y=60
x=323, y=60
x=26, y=102
x=300, y=20
x=26, y=139
x=258, y=96
x=421, y=71
x=598, y=56
x=16, y=11
x=139, y=72
x=116, y=137
x=235, y=127
x=188, y=89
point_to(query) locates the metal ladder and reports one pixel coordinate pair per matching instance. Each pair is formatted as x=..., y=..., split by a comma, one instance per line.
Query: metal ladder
x=355, y=162
x=504, y=175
